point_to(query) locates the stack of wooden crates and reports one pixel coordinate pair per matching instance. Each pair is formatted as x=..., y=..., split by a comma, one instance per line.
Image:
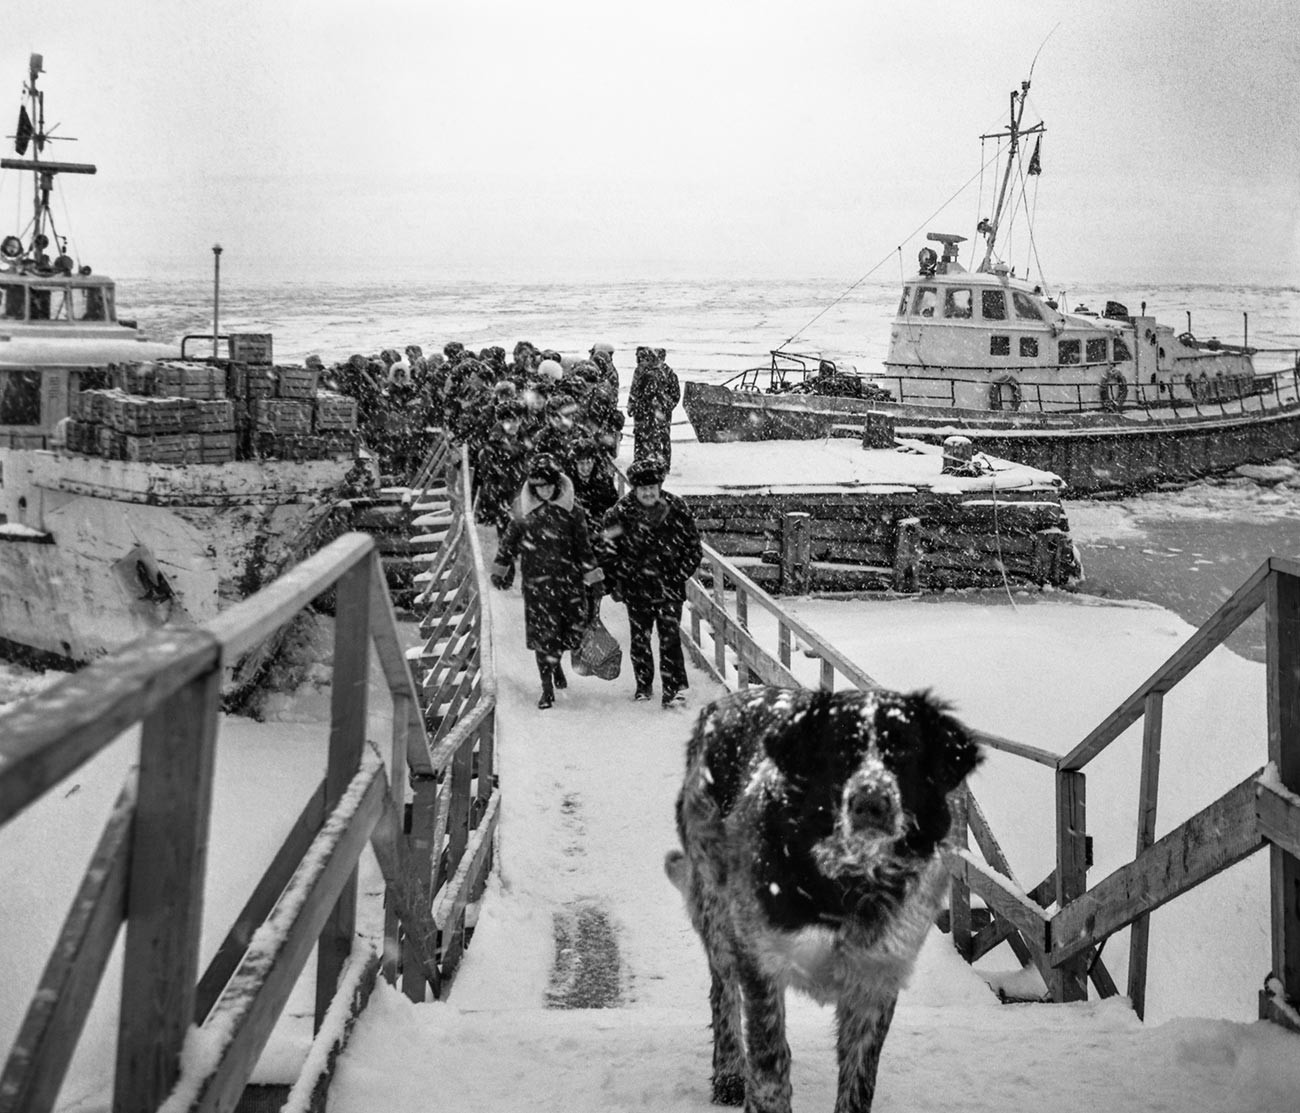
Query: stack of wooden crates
x=213, y=412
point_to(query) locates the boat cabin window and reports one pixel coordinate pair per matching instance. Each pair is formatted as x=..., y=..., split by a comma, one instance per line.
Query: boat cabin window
x=994, y=305
x=1097, y=350
x=50, y=303
x=13, y=303
x=1029, y=347
x=957, y=302
x=89, y=304
x=999, y=345
x=1121, y=351
x=1025, y=306
x=1068, y=351
x=927, y=298
x=20, y=397
x=907, y=298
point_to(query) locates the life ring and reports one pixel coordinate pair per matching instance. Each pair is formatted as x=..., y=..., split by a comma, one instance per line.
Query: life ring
x=998, y=400
x=1113, y=389
x=928, y=260
x=11, y=247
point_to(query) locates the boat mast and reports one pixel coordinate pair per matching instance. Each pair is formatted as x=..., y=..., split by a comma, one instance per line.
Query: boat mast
x=1012, y=134
x=31, y=129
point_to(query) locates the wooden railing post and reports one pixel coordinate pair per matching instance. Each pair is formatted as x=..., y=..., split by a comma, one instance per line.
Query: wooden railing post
x=351, y=681
x=907, y=555
x=958, y=890
x=1282, y=639
x=796, y=553
x=1071, y=976
x=1148, y=795
x=425, y=844
x=165, y=902
x=719, y=630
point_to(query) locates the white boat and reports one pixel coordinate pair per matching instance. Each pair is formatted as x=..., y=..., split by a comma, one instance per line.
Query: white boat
x=1109, y=400
x=136, y=490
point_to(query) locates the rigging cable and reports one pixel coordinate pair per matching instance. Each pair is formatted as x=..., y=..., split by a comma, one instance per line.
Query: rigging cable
x=957, y=193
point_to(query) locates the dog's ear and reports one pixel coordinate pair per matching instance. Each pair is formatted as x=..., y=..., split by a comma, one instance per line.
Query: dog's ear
x=798, y=723
x=951, y=752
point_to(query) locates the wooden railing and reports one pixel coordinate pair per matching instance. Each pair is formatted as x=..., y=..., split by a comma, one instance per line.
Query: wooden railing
x=148, y=871
x=742, y=636
x=455, y=803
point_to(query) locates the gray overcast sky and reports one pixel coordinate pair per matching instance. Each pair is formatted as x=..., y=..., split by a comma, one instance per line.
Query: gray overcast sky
x=576, y=139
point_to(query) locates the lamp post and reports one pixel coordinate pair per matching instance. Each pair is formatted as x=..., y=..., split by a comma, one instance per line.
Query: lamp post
x=216, y=295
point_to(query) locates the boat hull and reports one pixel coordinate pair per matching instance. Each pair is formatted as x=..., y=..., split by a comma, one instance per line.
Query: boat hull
x=1094, y=453
x=96, y=553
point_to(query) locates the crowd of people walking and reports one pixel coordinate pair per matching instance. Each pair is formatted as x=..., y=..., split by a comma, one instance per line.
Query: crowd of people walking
x=542, y=431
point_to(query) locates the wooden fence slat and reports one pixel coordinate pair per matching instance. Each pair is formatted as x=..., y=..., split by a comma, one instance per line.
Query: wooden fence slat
x=1213, y=839
x=168, y=863
x=1069, y=981
x=1278, y=815
x=1148, y=799
x=1005, y=899
x=449, y=909
x=1282, y=648
x=260, y=902
x=48, y=1037
x=349, y=693
x=50, y=735
x=410, y=895
x=245, y=1014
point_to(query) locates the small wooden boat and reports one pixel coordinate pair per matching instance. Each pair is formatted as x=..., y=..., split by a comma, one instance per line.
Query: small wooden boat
x=1109, y=401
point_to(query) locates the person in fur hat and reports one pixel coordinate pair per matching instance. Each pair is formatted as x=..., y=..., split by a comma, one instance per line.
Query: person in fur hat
x=650, y=548
x=593, y=478
x=558, y=570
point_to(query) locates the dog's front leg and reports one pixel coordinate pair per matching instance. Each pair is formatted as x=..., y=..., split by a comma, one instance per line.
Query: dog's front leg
x=862, y=1026
x=728, y=1047
x=767, y=1052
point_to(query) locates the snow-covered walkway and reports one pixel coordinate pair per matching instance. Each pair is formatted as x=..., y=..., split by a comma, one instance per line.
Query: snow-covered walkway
x=588, y=813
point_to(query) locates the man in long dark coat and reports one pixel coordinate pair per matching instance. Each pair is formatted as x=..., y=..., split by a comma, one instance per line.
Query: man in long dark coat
x=548, y=533
x=652, y=397
x=651, y=547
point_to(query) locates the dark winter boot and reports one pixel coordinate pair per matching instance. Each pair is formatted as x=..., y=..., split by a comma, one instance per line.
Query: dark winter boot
x=544, y=667
x=561, y=681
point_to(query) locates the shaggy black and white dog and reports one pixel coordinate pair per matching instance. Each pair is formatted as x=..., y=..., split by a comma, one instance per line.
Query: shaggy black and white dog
x=811, y=825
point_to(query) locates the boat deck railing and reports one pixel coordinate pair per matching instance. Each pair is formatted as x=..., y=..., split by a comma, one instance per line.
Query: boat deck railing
x=1206, y=395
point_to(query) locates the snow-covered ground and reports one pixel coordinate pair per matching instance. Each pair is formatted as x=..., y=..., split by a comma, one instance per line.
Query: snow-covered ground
x=588, y=796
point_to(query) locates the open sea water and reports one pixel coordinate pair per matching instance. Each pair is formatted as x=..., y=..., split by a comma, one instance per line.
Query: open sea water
x=711, y=329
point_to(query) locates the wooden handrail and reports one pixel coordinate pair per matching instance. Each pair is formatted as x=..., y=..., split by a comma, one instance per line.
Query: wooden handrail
x=152, y=856
x=54, y=732
x=244, y=625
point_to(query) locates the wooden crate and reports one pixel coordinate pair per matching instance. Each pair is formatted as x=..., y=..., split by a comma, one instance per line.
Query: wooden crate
x=334, y=412
x=253, y=348
x=295, y=382
x=280, y=415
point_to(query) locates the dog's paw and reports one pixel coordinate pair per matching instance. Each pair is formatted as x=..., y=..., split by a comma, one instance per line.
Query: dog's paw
x=728, y=1089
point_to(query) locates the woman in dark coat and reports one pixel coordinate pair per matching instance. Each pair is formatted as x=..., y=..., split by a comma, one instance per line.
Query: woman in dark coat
x=548, y=533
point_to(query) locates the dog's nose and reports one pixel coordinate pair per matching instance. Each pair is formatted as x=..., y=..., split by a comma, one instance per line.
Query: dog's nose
x=871, y=807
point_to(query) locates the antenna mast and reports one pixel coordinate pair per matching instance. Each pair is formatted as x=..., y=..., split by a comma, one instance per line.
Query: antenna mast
x=31, y=129
x=1013, y=134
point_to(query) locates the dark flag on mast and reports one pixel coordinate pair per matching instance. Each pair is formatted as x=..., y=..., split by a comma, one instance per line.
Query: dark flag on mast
x=25, y=131
x=1035, y=167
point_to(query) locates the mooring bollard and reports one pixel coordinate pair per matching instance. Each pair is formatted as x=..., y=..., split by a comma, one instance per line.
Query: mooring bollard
x=957, y=453
x=878, y=430
x=796, y=553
